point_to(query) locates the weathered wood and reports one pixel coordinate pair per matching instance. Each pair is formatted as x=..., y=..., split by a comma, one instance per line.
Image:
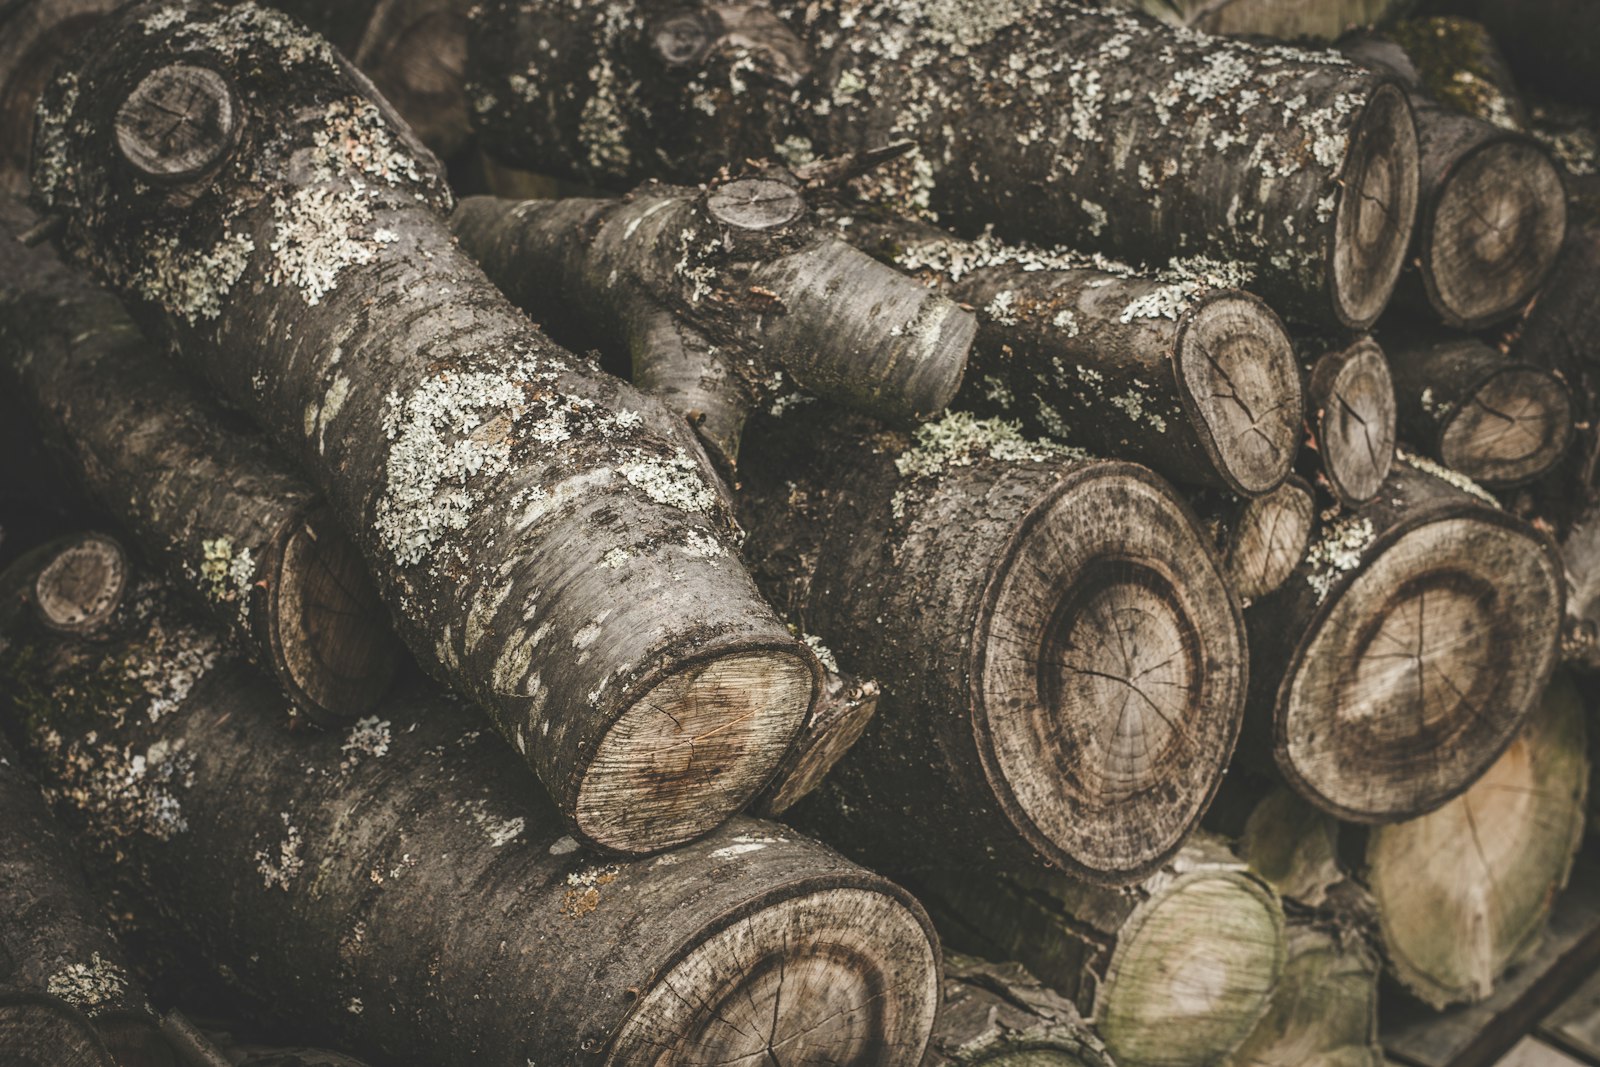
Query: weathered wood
x=82, y=588
x=1580, y=554
x=1324, y=1011
x=1059, y=124
x=42, y=1031
x=843, y=709
x=1404, y=654
x=34, y=36
x=1553, y=44
x=1060, y=655
x=725, y=298
x=232, y=523
x=196, y=1047
x=1351, y=406
x=178, y=123
x=415, y=52
x=1289, y=20
x=1531, y=1052
x=999, y=1015
x=1265, y=538
x=406, y=892
x=549, y=540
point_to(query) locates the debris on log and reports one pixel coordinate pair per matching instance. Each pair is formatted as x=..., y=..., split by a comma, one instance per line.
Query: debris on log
x=999, y=1015
x=1351, y=409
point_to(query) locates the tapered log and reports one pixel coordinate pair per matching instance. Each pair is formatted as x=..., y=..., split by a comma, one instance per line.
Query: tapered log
x=719, y=297
x=230, y=521
x=34, y=36
x=842, y=712
x=415, y=52
x=551, y=541
x=999, y=1015
x=1324, y=1011
x=1060, y=656
x=1100, y=130
x=406, y=892
x=1351, y=404
x=1261, y=539
x=1498, y=421
x=1174, y=369
x=1553, y=44
x=37, y=1030
x=1406, y=651
x=1196, y=950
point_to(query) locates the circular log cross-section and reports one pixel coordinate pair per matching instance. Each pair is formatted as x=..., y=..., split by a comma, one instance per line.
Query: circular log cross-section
x=80, y=589
x=41, y=1031
x=1353, y=412
x=1377, y=206
x=177, y=123
x=1269, y=537
x=755, y=204
x=1324, y=1012
x=1516, y=424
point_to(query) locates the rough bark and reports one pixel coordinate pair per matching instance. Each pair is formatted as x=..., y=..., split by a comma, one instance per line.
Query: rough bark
x=1351, y=410
x=1497, y=420
x=722, y=298
x=1324, y=1011
x=37, y=1030
x=415, y=52
x=1458, y=63
x=1404, y=654
x=404, y=891
x=1289, y=20
x=1173, y=369
x=1097, y=129
x=34, y=36
x=1060, y=655
x=550, y=541
x=1580, y=554
x=1262, y=539
x=1195, y=950
x=235, y=527
x=1553, y=44
x=999, y=1015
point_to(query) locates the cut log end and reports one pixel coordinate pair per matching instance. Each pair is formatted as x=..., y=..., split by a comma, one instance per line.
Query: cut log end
x=755, y=204
x=1270, y=538
x=1515, y=426
x=1238, y=376
x=834, y=975
x=1377, y=208
x=1494, y=233
x=694, y=749
x=1110, y=674
x=41, y=1031
x=81, y=587
x=842, y=713
x=1420, y=671
x=178, y=123
x=1354, y=408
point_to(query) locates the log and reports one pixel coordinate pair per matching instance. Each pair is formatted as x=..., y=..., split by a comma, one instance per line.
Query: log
x=1196, y=950
x=406, y=892
x=38, y=1030
x=1099, y=130
x=1580, y=553
x=1289, y=20
x=720, y=297
x=199, y=1048
x=1178, y=370
x=549, y=540
x=1406, y=651
x=415, y=52
x=1499, y=421
x=34, y=36
x=842, y=712
x=952, y=567
x=233, y=524
x=999, y=1015
x=1552, y=44
x=1263, y=539
x=1351, y=404
x=1458, y=63
x=1324, y=1011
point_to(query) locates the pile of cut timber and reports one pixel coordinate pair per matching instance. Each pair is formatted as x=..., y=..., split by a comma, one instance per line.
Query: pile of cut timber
x=1126, y=499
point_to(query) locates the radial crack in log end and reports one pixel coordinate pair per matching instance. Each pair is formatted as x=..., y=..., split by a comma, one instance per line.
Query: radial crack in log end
x=177, y=123
x=1353, y=418
x=1377, y=208
x=1268, y=537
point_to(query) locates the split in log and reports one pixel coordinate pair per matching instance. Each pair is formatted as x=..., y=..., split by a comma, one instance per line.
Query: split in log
x=1498, y=421
x=843, y=709
x=1073, y=699
x=720, y=296
x=415, y=52
x=34, y=36
x=353, y=887
x=1404, y=654
x=1324, y=1011
x=1553, y=44
x=1099, y=130
x=1196, y=950
x=37, y=1030
x=999, y=1015
x=1350, y=394
x=228, y=519
x=549, y=540
x=1174, y=369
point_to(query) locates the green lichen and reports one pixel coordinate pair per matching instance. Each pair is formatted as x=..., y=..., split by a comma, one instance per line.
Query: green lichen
x=1450, y=55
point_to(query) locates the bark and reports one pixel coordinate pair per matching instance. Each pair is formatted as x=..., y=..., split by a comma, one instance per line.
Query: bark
x=953, y=568
x=34, y=36
x=721, y=297
x=550, y=541
x=405, y=892
x=1404, y=654
x=1351, y=402
x=1117, y=953
x=999, y=1015
x=236, y=528
x=37, y=1030
x=415, y=52
x=1285, y=19
x=1263, y=539
x=1580, y=553
x=1324, y=1012
x=1552, y=44
x=1498, y=421
x=1176, y=369
x=1101, y=130
x=199, y=1048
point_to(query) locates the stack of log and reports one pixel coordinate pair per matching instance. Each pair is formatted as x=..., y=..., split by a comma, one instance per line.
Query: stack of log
x=966, y=434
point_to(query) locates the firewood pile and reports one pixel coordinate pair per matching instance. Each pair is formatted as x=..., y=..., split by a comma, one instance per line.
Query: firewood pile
x=863, y=533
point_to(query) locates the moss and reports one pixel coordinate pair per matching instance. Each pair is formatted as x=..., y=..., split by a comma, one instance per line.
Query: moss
x=1450, y=57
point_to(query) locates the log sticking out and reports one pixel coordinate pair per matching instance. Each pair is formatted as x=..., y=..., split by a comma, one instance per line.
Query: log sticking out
x=1094, y=129
x=1175, y=369
x=228, y=519
x=722, y=297
x=1060, y=655
x=1404, y=654
x=999, y=1015
x=551, y=541
x=1352, y=415
x=1262, y=539
x=371, y=933
x=842, y=712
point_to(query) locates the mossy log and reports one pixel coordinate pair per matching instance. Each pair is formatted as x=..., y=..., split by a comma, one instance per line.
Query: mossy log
x=1196, y=950
x=1351, y=411
x=229, y=520
x=1262, y=539
x=406, y=892
x=722, y=297
x=1100, y=130
x=1498, y=420
x=38, y=1030
x=415, y=52
x=1404, y=654
x=1551, y=44
x=999, y=1015
x=34, y=37
x=1060, y=655
x=1324, y=1011
x=1178, y=370
x=551, y=541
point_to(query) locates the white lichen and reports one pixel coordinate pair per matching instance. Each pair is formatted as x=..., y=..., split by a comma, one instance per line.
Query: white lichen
x=1445, y=474
x=823, y=653
x=369, y=737
x=675, y=481
x=89, y=985
x=281, y=866
x=1337, y=551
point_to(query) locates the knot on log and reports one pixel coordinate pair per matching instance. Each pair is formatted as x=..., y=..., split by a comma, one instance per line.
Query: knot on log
x=178, y=123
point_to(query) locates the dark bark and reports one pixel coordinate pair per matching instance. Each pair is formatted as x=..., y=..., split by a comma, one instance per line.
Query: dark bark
x=1100, y=130
x=226, y=517
x=1404, y=654
x=726, y=297
x=1351, y=402
x=1498, y=421
x=1060, y=655
x=37, y=1030
x=1173, y=369
x=550, y=541
x=407, y=893
x=1580, y=554
x=1553, y=44
x=415, y=52
x=196, y=1047
x=999, y=1015
x=1261, y=539
x=34, y=36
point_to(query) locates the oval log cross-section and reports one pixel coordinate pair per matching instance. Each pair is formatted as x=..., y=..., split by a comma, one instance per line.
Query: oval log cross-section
x=1353, y=419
